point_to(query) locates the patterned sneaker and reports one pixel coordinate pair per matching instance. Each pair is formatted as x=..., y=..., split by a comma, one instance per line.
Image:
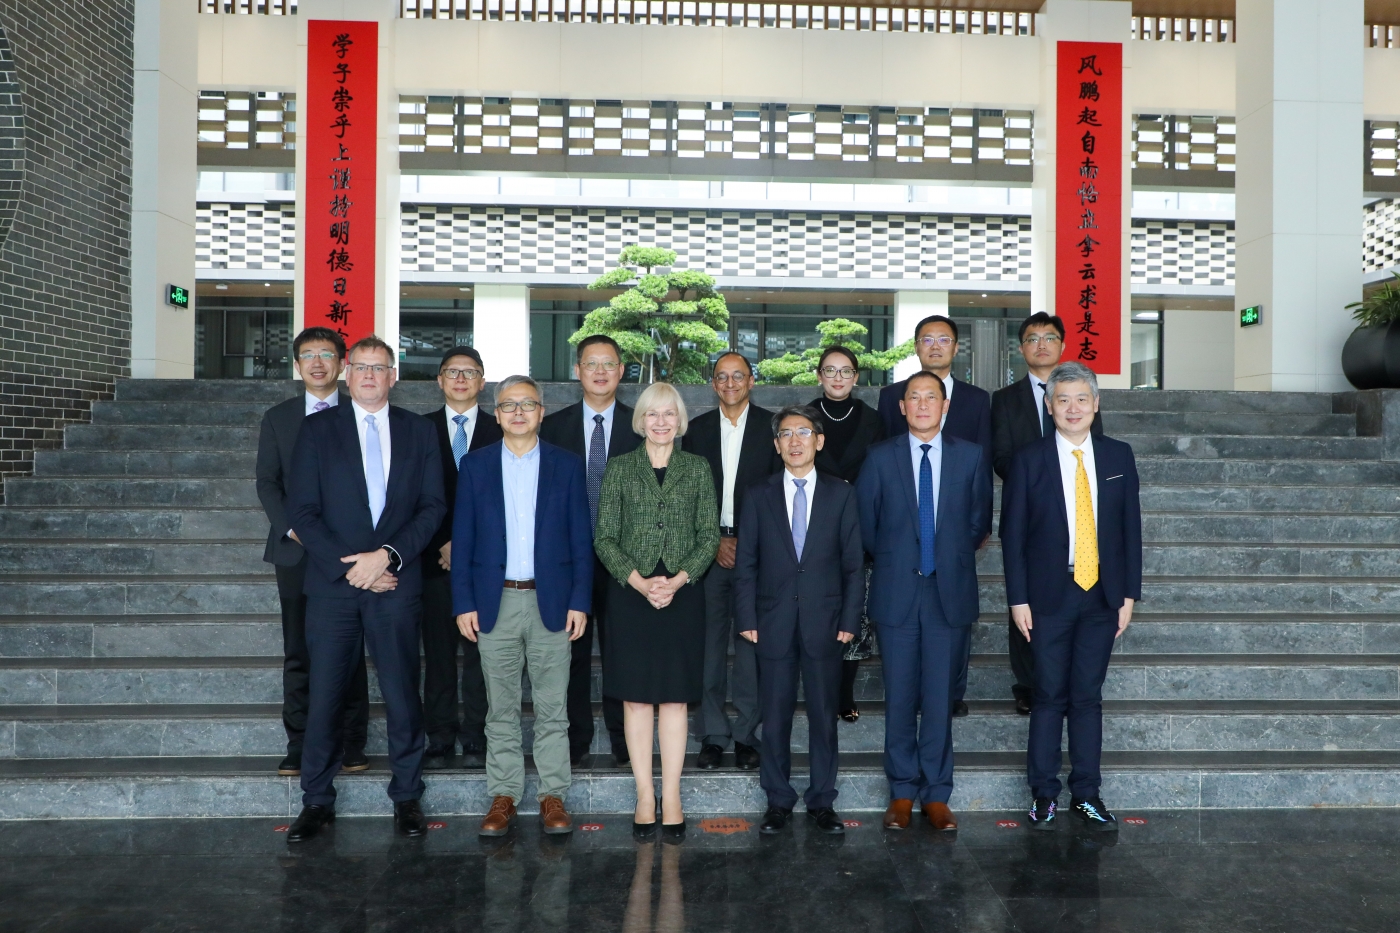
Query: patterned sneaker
x=1043, y=813
x=1092, y=811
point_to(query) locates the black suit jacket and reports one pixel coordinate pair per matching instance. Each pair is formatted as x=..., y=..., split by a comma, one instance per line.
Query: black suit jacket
x=758, y=458
x=329, y=500
x=1035, y=526
x=1016, y=423
x=276, y=439
x=487, y=431
x=564, y=429
x=969, y=415
x=777, y=595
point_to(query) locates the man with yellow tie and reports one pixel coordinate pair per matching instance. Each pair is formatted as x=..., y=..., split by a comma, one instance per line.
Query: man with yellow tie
x=1071, y=539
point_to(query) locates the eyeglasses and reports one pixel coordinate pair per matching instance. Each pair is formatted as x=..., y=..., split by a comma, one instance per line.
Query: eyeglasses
x=831, y=372
x=725, y=378
x=324, y=355
x=462, y=373
x=1036, y=340
x=787, y=433
x=942, y=340
x=378, y=370
x=527, y=404
x=593, y=366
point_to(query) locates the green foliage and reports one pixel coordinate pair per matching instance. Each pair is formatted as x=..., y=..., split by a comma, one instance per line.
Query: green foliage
x=1380, y=307
x=801, y=369
x=672, y=340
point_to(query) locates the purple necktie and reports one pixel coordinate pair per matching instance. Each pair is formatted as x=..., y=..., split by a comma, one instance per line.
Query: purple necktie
x=321, y=405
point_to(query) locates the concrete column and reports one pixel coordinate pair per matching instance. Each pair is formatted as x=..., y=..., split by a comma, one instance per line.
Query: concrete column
x=1198, y=349
x=909, y=309
x=501, y=329
x=1078, y=21
x=387, y=247
x=164, y=134
x=1298, y=188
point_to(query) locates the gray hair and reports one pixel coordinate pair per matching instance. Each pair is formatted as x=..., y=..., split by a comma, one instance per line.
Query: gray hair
x=798, y=411
x=511, y=382
x=660, y=393
x=1071, y=372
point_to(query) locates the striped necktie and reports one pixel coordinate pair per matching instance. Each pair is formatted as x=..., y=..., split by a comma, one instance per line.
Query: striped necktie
x=927, y=508
x=459, y=439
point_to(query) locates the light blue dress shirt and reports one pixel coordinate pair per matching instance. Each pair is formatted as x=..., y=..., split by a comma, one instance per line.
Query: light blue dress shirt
x=520, y=478
x=935, y=460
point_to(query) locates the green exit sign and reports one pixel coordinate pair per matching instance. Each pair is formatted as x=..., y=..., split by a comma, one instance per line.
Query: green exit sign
x=177, y=297
x=1251, y=315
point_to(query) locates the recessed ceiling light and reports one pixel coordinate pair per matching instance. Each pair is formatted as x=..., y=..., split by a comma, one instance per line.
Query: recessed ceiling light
x=984, y=294
x=267, y=285
x=222, y=286
x=464, y=288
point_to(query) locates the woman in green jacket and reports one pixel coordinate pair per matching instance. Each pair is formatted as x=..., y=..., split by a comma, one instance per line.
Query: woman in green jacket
x=658, y=530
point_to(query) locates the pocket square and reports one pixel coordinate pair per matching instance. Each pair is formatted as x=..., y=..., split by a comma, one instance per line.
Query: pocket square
x=1119, y=476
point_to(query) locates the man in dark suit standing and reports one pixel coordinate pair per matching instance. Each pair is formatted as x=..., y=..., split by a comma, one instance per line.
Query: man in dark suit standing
x=1020, y=417
x=317, y=355
x=597, y=429
x=799, y=584
x=925, y=509
x=366, y=498
x=737, y=440
x=460, y=429
x=1072, y=545
x=969, y=417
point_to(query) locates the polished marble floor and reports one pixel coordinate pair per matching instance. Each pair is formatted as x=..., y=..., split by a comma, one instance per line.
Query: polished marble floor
x=1310, y=871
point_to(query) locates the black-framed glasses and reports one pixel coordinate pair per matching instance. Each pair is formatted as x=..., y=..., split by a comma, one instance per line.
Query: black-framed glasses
x=463, y=373
x=831, y=372
x=526, y=404
x=1036, y=340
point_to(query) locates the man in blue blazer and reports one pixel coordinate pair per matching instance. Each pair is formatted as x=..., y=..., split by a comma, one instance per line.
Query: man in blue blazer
x=365, y=497
x=969, y=417
x=1072, y=546
x=925, y=507
x=522, y=587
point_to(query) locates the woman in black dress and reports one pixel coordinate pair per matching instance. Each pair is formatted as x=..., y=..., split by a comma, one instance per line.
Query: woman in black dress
x=658, y=531
x=851, y=427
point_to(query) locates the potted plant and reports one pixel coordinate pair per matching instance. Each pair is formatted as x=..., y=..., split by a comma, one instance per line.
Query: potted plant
x=1371, y=355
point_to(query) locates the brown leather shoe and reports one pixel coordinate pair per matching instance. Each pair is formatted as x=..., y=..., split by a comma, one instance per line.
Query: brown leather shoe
x=499, y=817
x=897, y=816
x=554, y=819
x=940, y=817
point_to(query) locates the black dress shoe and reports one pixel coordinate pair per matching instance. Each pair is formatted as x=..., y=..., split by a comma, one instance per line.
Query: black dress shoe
x=355, y=760
x=959, y=709
x=673, y=832
x=291, y=765
x=745, y=757
x=1092, y=811
x=473, y=758
x=1023, y=705
x=1043, y=813
x=621, y=757
x=708, y=759
x=409, y=818
x=775, y=820
x=436, y=757
x=311, y=821
x=827, y=821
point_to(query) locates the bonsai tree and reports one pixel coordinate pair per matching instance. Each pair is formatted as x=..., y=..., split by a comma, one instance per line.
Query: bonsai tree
x=801, y=369
x=671, y=337
x=1380, y=307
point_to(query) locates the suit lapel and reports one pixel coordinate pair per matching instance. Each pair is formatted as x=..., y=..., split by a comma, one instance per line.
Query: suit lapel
x=542, y=490
x=823, y=506
x=398, y=455
x=1028, y=394
x=1052, y=468
x=905, y=469
x=775, y=500
x=349, y=437
x=622, y=421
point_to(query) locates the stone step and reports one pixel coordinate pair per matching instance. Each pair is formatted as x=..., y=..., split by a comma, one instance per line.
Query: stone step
x=1262, y=472
x=39, y=523
x=1241, y=527
x=1197, y=400
x=137, y=636
x=145, y=463
x=130, y=557
x=159, y=437
x=131, y=492
x=194, y=787
x=1282, y=447
x=1157, y=497
x=1210, y=559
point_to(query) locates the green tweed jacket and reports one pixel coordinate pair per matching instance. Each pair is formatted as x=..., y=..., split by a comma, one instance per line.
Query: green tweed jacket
x=640, y=523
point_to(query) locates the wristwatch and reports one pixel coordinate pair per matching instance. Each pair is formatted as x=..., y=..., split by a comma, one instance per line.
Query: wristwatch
x=395, y=561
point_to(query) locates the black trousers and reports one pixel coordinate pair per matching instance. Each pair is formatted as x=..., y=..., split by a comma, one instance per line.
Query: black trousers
x=580, y=697
x=1022, y=661
x=337, y=632
x=296, y=668
x=777, y=699
x=441, y=639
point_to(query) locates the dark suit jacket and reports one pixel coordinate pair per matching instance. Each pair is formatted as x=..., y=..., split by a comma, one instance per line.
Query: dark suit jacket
x=487, y=432
x=969, y=415
x=889, y=526
x=1016, y=423
x=775, y=594
x=870, y=428
x=276, y=439
x=758, y=458
x=564, y=429
x=563, y=538
x=329, y=500
x=1035, y=526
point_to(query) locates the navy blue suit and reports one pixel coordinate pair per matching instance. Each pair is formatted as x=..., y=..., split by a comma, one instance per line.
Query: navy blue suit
x=1072, y=631
x=563, y=538
x=923, y=621
x=329, y=505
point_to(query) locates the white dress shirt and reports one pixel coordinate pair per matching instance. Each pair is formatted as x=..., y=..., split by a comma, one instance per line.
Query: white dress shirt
x=381, y=421
x=588, y=425
x=312, y=401
x=790, y=491
x=469, y=426
x=1068, y=465
x=947, y=394
x=935, y=460
x=731, y=444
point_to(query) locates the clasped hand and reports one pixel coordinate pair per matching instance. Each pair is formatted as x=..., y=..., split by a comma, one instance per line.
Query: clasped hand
x=658, y=590
x=370, y=571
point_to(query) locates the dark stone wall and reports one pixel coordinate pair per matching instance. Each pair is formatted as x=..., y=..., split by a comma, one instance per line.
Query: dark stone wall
x=65, y=214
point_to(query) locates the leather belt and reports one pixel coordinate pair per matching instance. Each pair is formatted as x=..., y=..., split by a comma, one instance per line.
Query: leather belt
x=728, y=531
x=519, y=584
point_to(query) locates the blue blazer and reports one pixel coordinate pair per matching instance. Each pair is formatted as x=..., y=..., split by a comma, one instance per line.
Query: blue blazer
x=889, y=527
x=563, y=537
x=328, y=501
x=1035, y=526
x=969, y=416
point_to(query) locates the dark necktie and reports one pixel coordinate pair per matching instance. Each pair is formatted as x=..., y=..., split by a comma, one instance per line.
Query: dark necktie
x=1047, y=424
x=927, y=507
x=597, y=461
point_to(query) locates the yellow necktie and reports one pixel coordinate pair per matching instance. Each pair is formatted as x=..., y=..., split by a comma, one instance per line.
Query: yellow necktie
x=1086, y=536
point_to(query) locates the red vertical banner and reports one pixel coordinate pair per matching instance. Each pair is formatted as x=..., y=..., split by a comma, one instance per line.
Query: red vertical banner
x=338, y=129
x=1089, y=202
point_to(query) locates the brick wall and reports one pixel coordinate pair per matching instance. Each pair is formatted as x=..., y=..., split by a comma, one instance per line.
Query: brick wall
x=65, y=212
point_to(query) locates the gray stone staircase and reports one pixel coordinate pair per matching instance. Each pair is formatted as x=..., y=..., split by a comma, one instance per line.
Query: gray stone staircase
x=140, y=669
